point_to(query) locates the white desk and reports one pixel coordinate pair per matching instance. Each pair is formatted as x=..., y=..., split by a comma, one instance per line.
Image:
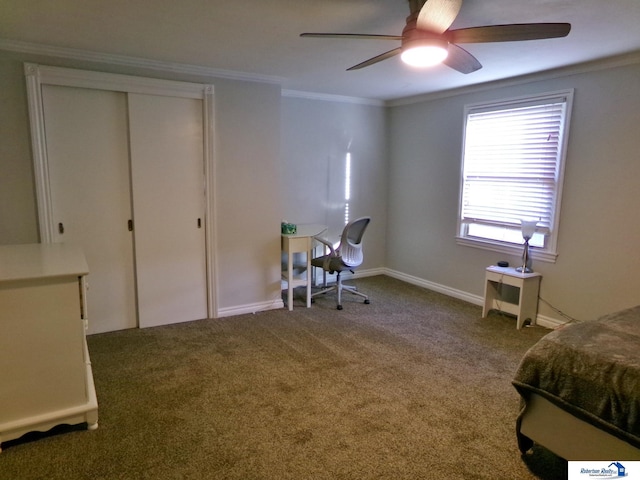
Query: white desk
x=527, y=283
x=299, y=242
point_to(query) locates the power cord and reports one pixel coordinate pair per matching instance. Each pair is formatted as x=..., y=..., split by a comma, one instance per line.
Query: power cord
x=560, y=312
x=554, y=308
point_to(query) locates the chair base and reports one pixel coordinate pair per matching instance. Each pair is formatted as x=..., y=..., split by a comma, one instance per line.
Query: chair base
x=339, y=288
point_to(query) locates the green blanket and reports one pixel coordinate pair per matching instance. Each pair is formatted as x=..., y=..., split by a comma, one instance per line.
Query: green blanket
x=591, y=370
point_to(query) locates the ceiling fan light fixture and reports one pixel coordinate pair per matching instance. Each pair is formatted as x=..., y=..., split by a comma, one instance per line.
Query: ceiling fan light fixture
x=424, y=52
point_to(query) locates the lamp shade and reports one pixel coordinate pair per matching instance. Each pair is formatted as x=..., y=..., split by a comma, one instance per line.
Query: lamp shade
x=528, y=228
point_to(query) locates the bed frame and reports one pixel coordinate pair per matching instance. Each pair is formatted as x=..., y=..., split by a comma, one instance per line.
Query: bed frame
x=568, y=437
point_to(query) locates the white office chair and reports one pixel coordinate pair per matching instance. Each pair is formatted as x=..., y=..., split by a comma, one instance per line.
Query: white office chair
x=347, y=256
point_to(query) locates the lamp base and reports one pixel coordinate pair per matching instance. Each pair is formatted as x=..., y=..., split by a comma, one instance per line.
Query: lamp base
x=524, y=270
x=526, y=258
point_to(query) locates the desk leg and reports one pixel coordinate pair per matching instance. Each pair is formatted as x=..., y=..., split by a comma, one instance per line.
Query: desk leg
x=290, y=280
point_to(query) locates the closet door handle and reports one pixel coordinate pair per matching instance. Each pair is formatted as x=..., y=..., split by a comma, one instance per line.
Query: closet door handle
x=60, y=228
x=130, y=225
x=199, y=223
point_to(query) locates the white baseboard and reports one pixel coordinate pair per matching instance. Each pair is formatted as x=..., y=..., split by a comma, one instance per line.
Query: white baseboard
x=541, y=320
x=370, y=272
x=250, y=308
x=548, y=322
x=346, y=275
x=436, y=287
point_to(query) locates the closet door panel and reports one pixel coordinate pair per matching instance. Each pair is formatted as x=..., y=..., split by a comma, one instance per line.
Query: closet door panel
x=167, y=172
x=88, y=161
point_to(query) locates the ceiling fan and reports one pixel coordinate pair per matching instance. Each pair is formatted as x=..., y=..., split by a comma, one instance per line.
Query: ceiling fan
x=427, y=40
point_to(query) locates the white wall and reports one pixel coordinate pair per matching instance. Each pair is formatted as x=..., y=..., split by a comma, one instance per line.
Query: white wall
x=597, y=270
x=18, y=220
x=316, y=137
x=247, y=193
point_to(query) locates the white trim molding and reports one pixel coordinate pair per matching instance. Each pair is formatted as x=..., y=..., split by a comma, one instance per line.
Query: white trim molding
x=325, y=97
x=39, y=148
x=589, y=66
x=541, y=320
x=515, y=250
x=250, y=308
x=253, y=308
x=38, y=75
x=436, y=287
x=137, y=62
x=210, y=205
x=115, y=82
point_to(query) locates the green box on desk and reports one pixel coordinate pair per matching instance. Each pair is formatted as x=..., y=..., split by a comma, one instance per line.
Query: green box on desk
x=289, y=228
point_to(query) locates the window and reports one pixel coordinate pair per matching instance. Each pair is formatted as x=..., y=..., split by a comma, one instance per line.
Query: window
x=512, y=167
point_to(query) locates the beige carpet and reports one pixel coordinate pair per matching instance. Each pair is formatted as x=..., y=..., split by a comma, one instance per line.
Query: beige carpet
x=415, y=385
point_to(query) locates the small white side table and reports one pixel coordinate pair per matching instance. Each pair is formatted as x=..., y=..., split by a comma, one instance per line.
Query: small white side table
x=299, y=242
x=527, y=283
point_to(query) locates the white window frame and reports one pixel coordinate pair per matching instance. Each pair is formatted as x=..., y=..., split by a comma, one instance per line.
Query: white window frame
x=545, y=242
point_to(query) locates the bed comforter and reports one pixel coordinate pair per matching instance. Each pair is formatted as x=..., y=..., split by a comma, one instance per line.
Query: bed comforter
x=591, y=370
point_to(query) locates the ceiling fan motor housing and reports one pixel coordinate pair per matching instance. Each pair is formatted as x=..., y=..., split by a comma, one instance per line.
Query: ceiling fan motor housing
x=412, y=36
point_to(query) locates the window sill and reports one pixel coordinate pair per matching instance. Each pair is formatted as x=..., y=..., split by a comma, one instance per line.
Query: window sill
x=536, y=254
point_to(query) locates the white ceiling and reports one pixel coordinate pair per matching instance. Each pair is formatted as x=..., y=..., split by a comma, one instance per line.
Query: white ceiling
x=261, y=38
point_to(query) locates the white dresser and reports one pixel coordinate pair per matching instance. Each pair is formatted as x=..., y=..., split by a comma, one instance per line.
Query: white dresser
x=45, y=373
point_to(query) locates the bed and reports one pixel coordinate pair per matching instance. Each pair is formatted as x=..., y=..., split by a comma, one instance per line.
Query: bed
x=580, y=390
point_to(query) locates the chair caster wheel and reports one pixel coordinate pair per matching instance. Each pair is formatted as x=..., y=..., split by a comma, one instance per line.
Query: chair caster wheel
x=339, y=307
x=367, y=302
x=313, y=300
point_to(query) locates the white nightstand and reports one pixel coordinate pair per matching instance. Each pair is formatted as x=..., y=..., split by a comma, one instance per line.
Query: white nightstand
x=527, y=283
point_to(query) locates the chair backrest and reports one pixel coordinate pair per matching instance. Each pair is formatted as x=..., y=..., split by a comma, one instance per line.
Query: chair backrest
x=350, y=247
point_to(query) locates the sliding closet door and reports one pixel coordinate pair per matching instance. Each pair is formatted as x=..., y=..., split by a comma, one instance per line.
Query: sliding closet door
x=167, y=174
x=88, y=162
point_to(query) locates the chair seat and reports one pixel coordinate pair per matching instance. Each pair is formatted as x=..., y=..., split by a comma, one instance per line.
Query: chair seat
x=329, y=263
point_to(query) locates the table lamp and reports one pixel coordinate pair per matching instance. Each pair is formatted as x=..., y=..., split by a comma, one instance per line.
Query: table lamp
x=528, y=229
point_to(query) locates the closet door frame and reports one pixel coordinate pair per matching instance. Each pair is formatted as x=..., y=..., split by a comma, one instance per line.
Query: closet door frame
x=38, y=75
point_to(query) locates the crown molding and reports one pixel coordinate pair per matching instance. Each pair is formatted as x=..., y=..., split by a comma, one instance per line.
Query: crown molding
x=584, y=67
x=123, y=60
x=326, y=97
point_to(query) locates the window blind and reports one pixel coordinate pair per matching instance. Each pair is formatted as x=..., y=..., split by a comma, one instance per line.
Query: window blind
x=511, y=163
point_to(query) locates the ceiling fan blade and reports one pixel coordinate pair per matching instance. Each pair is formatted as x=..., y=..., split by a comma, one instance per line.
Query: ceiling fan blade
x=509, y=33
x=361, y=36
x=461, y=60
x=376, y=59
x=438, y=15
